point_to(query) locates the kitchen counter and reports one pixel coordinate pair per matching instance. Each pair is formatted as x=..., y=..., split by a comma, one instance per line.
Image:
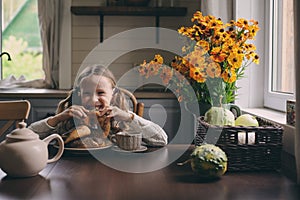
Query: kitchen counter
x=50, y=93
x=32, y=93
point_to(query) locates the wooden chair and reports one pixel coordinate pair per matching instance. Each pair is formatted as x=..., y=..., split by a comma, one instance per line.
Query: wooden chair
x=138, y=107
x=13, y=112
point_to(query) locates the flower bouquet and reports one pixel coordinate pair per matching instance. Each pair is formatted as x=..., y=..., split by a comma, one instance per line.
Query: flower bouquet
x=214, y=56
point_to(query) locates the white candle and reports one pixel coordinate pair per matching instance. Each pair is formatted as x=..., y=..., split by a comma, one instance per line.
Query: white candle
x=251, y=138
x=241, y=137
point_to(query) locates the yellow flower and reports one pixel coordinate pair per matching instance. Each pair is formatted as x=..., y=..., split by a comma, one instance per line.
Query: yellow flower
x=242, y=23
x=256, y=58
x=180, y=65
x=197, y=74
x=253, y=56
x=235, y=60
x=253, y=30
x=250, y=47
x=229, y=76
x=228, y=46
x=197, y=17
x=158, y=59
x=202, y=45
x=215, y=23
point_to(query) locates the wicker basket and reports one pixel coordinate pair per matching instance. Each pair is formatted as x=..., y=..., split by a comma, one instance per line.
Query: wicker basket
x=247, y=148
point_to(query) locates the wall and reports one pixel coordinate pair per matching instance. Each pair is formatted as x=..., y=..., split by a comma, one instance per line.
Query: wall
x=85, y=34
x=251, y=86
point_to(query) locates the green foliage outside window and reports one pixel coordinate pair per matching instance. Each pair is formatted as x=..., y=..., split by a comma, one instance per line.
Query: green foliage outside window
x=23, y=60
x=21, y=39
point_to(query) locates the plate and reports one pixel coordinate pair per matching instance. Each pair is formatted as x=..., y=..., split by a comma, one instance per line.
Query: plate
x=84, y=150
x=118, y=149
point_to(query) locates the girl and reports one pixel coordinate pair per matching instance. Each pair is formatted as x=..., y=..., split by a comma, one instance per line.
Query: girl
x=96, y=89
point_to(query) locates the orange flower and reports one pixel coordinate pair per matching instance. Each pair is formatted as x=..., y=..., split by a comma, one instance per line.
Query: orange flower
x=195, y=59
x=166, y=75
x=217, y=55
x=142, y=68
x=213, y=70
x=153, y=68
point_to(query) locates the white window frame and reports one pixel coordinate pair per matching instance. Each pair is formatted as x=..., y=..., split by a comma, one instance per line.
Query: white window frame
x=1, y=70
x=274, y=100
x=255, y=88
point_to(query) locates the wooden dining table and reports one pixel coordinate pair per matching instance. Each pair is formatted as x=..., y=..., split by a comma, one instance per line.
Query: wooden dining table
x=82, y=175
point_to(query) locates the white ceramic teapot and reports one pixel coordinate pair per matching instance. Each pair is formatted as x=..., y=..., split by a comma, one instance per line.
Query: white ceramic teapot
x=23, y=154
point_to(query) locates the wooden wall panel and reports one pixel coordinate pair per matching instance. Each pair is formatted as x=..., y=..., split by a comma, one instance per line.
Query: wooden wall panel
x=86, y=31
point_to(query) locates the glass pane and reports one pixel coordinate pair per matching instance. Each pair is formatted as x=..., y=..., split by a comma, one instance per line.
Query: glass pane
x=283, y=57
x=21, y=39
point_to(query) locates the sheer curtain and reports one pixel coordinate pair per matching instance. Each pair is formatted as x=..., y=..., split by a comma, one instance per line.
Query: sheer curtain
x=222, y=9
x=49, y=13
x=297, y=69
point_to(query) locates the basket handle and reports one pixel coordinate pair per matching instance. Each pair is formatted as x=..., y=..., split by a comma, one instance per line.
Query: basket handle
x=234, y=109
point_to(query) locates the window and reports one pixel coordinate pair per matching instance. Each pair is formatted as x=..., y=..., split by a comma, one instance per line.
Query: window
x=20, y=37
x=280, y=67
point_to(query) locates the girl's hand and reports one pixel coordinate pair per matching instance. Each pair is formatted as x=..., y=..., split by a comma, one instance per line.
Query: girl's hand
x=74, y=111
x=117, y=113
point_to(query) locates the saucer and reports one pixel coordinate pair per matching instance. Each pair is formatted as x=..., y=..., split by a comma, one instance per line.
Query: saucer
x=118, y=149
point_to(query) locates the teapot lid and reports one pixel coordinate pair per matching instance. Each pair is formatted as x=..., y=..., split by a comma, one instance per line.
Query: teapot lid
x=22, y=133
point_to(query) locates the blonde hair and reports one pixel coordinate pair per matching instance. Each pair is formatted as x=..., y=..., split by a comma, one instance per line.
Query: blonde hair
x=118, y=99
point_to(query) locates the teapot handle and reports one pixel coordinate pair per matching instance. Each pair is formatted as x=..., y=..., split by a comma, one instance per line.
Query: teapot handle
x=60, y=143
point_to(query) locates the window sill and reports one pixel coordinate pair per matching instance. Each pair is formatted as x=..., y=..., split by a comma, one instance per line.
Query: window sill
x=32, y=93
x=272, y=115
x=279, y=118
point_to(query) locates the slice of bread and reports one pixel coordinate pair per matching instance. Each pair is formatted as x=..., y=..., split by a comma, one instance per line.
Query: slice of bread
x=78, y=132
